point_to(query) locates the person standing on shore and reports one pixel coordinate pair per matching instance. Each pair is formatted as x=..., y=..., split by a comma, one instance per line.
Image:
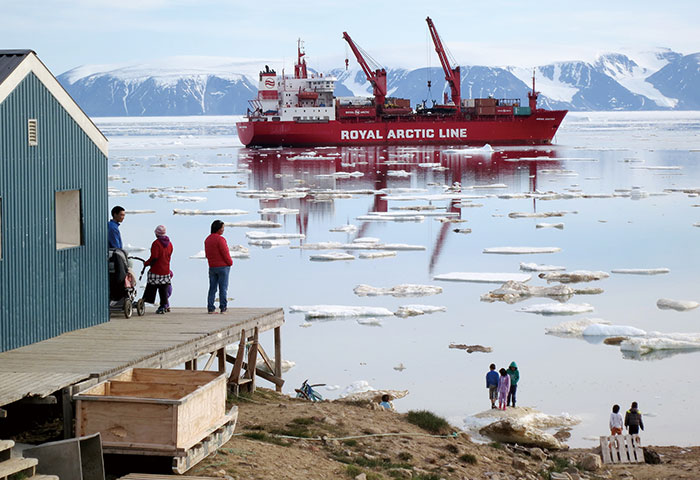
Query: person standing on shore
x=514, y=375
x=114, y=236
x=633, y=420
x=159, y=274
x=219, y=259
x=503, y=388
x=615, y=421
x=492, y=384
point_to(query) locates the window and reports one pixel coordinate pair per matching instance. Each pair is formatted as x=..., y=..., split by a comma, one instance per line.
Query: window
x=69, y=219
x=32, y=132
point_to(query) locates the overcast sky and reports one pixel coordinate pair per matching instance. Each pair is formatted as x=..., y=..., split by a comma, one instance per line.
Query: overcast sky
x=66, y=34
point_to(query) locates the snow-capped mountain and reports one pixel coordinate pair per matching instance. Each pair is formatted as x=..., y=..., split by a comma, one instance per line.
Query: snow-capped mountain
x=659, y=79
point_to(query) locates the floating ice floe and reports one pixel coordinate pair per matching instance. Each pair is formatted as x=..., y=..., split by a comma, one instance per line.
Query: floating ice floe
x=331, y=388
x=520, y=250
x=226, y=186
x=369, y=322
x=479, y=277
x=678, y=305
x=236, y=251
x=469, y=205
x=488, y=187
x=269, y=242
x=357, y=246
x=414, y=310
x=513, y=292
x=330, y=257
x=557, y=308
x=139, y=212
x=209, y=212
x=398, y=173
x=537, y=214
x=129, y=248
x=470, y=348
x=400, y=367
x=404, y=290
x=262, y=365
x=254, y=224
x=559, y=226
x=657, y=341
x=341, y=175
x=361, y=391
x=601, y=330
x=371, y=255
x=574, y=277
x=344, y=228
x=418, y=207
x=534, y=267
x=269, y=236
x=641, y=271
x=333, y=311
x=574, y=328
x=279, y=211
x=371, y=240
x=183, y=199
x=391, y=218
x=462, y=230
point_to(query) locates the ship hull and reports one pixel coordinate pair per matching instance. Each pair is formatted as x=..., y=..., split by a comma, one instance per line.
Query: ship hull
x=536, y=129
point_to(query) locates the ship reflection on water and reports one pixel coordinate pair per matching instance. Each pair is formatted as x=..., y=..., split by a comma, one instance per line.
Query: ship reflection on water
x=336, y=172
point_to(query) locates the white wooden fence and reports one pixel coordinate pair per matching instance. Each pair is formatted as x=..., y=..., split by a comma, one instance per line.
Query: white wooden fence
x=621, y=449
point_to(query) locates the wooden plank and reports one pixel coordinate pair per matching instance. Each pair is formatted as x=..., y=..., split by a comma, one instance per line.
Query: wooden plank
x=252, y=361
x=278, y=356
x=622, y=449
x=238, y=362
x=200, y=412
x=259, y=372
x=606, y=449
x=637, y=447
x=183, y=377
x=217, y=437
x=17, y=465
x=221, y=355
x=212, y=356
x=171, y=391
x=265, y=358
x=67, y=408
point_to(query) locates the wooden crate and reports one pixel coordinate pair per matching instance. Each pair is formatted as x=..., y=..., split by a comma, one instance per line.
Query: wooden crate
x=153, y=411
x=621, y=449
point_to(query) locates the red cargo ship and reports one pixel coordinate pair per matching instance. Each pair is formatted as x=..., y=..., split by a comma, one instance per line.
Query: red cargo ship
x=301, y=110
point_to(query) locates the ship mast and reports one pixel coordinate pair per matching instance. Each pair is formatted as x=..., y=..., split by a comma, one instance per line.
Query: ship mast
x=376, y=77
x=452, y=75
x=300, y=66
x=532, y=96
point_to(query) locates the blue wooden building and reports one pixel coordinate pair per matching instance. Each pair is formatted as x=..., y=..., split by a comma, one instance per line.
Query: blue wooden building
x=53, y=207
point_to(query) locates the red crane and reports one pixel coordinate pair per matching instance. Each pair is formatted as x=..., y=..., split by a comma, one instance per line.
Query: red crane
x=451, y=74
x=376, y=77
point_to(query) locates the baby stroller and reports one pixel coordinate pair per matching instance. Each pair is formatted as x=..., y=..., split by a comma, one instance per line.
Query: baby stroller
x=122, y=285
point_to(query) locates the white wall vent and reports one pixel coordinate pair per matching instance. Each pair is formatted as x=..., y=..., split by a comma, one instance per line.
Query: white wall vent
x=32, y=132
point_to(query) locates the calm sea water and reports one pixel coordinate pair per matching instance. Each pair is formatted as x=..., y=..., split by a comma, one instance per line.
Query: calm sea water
x=596, y=153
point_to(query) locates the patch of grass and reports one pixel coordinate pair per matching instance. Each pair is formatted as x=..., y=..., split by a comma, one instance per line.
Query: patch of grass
x=292, y=431
x=352, y=471
x=405, y=456
x=303, y=421
x=428, y=421
x=468, y=458
x=497, y=445
x=427, y=476
x=560, y=464
x=452, y=448
x=350, y=443
x=379, y=463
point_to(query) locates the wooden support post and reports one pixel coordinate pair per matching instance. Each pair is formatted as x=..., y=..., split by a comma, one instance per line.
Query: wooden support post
x=212, y=356
x=191, y=364
x=260, y=372
x=67, y=399
x=265, y=358
x=278, y=356
x=221, y=354
x=238, y=363
x=252, y=361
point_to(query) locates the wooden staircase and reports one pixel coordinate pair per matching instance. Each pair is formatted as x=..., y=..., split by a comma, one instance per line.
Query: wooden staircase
x=18, y=468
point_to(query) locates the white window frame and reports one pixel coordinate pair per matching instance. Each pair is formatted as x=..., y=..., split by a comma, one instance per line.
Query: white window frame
x=69, y=218
x=32, y=132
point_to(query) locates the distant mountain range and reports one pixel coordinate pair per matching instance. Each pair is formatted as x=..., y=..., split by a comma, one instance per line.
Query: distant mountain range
x=657, y=80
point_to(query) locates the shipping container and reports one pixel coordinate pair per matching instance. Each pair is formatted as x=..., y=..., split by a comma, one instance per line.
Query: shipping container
x=469, y=102
x=504, y=110
x=521, y=111
x=486, y=110
x=485, y=102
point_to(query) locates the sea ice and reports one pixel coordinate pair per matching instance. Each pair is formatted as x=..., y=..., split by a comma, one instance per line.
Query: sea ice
x=536, y=215
x=139, y=212
x=209, y=212
x=599, y=330
x=574, y=277
x=391, y=218
x=678, y=305
x=370, y=322
x=332, y=311
x=269, y=243
x=414, y=310
x=557, y=308
x=344, y=228
x=279, y=211
x=481, y=277
x=371, y=255
x=269, y=236
x=559, y=226
x=332, y=256
x=513, y=292
x=533, y=267
x=656, y=341
x=404, y=290
x=641, y=271
x=574, y=328
x=487, y=187
x=521, y=250
x=366, y=240
x=254, y=224
x=398, y=173
x=236, y=251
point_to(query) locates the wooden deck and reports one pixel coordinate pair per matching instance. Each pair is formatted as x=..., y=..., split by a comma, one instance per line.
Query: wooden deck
x=93, y=354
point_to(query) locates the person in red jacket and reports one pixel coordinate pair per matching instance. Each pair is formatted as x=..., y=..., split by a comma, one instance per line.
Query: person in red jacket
x=219, y=258
x=159, y=274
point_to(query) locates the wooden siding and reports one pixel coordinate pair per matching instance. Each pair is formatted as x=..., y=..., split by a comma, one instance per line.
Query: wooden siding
x=43, y=291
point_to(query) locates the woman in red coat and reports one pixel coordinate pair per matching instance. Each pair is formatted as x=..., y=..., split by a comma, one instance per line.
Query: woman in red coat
x=159, y=274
